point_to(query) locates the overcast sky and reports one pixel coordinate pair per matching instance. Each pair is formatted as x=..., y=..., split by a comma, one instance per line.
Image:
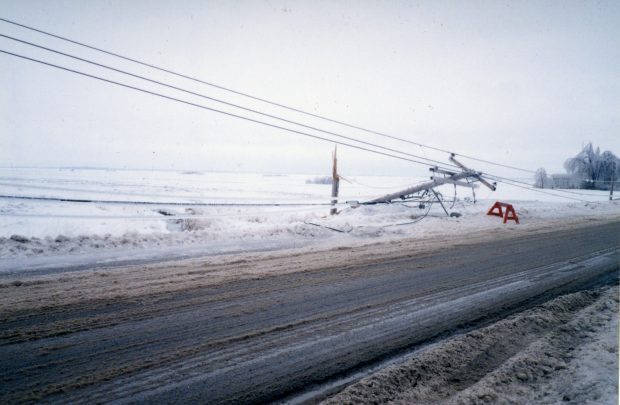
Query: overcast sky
x=522, y=83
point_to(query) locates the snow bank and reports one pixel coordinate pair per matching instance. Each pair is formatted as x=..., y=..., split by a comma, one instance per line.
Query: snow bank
x=563, y=351
x=31, y=228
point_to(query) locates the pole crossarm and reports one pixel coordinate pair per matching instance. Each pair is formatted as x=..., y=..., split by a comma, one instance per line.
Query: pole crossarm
x=477, y=175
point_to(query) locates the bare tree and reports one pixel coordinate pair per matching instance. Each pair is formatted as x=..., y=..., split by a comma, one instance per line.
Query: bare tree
x=541, y=180
x=610, y=166
x=594, y=167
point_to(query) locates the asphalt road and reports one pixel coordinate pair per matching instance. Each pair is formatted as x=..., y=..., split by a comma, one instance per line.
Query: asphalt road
x=258, y=340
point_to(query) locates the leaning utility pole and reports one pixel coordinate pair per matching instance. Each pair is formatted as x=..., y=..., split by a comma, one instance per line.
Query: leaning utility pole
x=335, y=182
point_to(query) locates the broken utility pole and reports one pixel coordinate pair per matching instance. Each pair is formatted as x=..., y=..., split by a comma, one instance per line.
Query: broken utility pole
x=452, y=178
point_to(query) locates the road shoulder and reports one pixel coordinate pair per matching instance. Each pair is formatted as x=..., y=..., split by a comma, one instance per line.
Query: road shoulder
x=565, y=350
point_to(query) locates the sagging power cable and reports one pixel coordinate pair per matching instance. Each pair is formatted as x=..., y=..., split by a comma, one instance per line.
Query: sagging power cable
x=221, y=101
x=508, y=182
x=172, y=203
x=153, y=93
x=497, y=178
x=260, y=99
x=489, y=175
x=528, y=186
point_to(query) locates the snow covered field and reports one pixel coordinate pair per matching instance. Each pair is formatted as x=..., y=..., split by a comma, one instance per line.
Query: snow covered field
x=139, y=214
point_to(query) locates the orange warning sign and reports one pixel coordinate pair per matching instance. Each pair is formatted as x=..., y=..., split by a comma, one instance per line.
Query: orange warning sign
x=510, y=213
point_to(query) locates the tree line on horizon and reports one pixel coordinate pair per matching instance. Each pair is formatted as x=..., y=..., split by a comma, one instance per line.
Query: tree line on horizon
x=589, y=169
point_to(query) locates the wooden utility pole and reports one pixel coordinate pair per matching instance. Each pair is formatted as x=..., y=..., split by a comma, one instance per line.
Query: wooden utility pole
x=335, y=182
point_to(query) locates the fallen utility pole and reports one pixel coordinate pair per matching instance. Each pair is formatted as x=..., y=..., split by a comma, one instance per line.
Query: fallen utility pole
x=435, y=182
x=452, y=178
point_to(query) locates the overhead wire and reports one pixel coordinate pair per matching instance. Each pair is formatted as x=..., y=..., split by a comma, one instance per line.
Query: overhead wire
x=490, y=176
x=171, y=216
x=211, y=109
x=349, y=228
x=171, y=203
x=223, y=101
x=263, y=100
x=499, y=178
x=505, y=181
x=416, y=220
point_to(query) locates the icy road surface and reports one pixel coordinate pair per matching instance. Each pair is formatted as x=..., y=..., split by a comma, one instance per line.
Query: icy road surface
x=258, y=330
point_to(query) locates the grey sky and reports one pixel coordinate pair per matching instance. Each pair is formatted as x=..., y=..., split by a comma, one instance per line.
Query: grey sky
x=523, y=83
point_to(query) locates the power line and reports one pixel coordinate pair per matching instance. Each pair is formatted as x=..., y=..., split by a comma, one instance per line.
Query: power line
x=222, y=101
x=213, y=109
x=175, y=216
x=173, y=203
x=506, y=181
x=248, y=109
x=496, y=164
x=494, y=177
x=498, y=178
x=259, y=98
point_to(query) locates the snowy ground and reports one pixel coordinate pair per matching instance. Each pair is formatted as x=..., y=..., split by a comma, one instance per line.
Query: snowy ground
x=140, y=214
x=565, y=351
